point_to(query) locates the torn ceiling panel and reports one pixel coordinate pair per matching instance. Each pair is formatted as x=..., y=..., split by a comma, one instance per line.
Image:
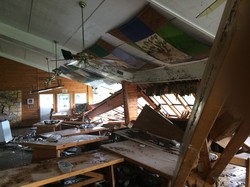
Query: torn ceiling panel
x=34, y=25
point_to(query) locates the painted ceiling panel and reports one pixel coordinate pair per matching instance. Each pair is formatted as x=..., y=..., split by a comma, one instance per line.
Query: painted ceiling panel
x=60, y=20
x=189, y=11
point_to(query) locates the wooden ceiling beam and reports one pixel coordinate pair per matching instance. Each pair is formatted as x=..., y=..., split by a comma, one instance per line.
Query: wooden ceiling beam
x=144, y=96
x=211, y=95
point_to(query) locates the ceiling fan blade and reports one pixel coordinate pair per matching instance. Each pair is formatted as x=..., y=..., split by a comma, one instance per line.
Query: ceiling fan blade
x=67, y=55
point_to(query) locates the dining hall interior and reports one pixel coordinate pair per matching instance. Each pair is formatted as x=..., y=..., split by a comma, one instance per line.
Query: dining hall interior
x=124, y=93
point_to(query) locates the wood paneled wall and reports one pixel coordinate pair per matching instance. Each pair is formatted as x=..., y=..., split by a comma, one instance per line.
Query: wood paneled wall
x=130, y=97
x=17, y=76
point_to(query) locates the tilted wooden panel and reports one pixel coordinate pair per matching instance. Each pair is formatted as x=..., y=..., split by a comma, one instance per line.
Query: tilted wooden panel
x=153, y=122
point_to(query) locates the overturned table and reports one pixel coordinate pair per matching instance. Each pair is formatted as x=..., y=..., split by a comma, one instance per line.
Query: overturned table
x=45, y=172
x=43, y=150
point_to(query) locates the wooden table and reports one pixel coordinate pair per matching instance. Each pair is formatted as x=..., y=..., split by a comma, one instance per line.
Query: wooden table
x=155, y=160
x=38, y=174
x=42, y=127
x=75, y=131
x=60, y=115
x=43, y=150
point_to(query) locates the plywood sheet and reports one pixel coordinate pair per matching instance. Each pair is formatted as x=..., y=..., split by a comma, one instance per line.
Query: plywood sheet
x=153, y=122
x=157, y=161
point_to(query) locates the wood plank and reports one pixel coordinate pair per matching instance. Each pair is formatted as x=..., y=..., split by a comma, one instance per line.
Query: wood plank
x=46, y=172
x=233, y=146
x=149, y=139
x=74, y=131
x=210, y=97
x=224, y=142
x=145, y=97
x=153, y=122
x=95, y=177
x=108, y=104
x=238, y=160
x=162, y=163
x=248, y=173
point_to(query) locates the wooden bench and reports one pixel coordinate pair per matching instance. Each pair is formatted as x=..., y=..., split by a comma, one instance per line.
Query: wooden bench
x=45, y=172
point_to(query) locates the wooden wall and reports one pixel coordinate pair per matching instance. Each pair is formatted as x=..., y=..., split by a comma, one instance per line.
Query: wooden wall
x=130, y=97
x=17, y=76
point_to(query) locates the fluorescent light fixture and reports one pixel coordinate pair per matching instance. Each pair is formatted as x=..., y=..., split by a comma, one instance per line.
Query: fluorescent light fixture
x=46, y=89
x=73, y=62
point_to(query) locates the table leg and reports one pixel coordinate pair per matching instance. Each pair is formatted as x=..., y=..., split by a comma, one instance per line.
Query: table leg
x=111, y=176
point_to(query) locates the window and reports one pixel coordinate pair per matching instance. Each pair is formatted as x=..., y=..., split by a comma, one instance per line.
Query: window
x=80, y=98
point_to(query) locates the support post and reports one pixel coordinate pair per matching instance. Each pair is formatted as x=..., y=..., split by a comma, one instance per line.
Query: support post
x=130, y=98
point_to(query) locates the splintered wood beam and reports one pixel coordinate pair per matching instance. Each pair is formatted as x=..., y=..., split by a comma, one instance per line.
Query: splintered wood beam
x=144, y=96
x=238, y=97
x=248, y=173
x=210, y=97
x=229, y=152
x=204, y=161
x=109, y=104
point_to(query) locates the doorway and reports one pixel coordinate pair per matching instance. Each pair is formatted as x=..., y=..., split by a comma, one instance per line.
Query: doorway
x=46, y=103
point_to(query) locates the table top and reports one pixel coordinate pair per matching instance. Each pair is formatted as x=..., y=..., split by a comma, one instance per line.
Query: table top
x=43, y=125
x=74, y=131
x=65, y=142
x=38, y=174
x=156, y=160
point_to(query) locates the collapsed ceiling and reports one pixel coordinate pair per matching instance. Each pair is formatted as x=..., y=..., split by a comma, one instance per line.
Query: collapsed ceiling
x=147, y=41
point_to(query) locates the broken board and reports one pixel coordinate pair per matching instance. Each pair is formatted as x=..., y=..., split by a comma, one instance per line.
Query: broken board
x=151, y=121
x=149, y=139
x=157, y=161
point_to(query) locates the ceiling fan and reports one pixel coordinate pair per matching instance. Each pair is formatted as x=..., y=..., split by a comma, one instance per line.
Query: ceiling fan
x=83, y=59
x=53, y=77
